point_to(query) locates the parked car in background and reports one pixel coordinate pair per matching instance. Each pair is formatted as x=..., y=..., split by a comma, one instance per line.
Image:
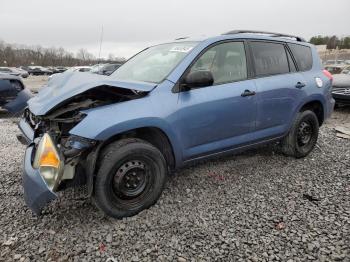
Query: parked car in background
x=341, y=89
x=60, y=69
x=37, y=70
x=334, y=62
x=23, y=73
x=346, y=70
x=72, y=69
x=96, y=68
x=52, y=69
x=56, y=69
x=10, y=71
x=13, y=94
x=79, y=69
x=168, y=106
x=14, y=71
x=24, y=68
x=106, y=69
x=334, y=69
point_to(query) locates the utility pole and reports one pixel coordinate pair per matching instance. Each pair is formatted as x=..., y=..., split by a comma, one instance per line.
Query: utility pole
x=101, y=39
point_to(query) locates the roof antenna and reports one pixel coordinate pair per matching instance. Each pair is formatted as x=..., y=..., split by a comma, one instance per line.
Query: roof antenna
x=101, y=39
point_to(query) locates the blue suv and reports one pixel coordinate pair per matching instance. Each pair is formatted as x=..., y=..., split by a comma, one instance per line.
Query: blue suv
x=168, y=106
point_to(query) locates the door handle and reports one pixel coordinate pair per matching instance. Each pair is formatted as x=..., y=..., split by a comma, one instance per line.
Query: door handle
x=248, y=93
x=300, y=85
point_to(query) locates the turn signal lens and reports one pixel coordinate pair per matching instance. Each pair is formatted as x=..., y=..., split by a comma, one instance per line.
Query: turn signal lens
x=49, y=159
x=49, y=156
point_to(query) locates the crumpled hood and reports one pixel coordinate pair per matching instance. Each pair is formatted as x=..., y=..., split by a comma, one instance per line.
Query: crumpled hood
x=66, y=85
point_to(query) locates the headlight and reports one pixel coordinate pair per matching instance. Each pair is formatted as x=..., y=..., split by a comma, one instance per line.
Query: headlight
x=48, y=161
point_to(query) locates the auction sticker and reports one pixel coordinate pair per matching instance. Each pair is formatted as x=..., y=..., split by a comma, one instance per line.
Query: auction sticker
x=182, y=49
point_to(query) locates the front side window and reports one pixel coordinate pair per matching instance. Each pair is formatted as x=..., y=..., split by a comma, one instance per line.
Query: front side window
x=226, y=62
x=269, y=58
x=155, y=63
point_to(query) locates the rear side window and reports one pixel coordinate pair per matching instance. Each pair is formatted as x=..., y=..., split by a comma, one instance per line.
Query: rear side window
x=302, y=55
x=269, y=58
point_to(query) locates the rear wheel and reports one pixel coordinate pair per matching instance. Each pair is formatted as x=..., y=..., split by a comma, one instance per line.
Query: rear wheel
x=131, y=177
x=302, y=136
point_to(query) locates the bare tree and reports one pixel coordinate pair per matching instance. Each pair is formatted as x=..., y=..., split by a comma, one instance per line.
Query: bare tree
x=84, y=55
x=22, y=55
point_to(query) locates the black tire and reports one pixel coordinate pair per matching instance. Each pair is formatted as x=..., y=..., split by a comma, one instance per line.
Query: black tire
x=302, y=136
x=128, y=160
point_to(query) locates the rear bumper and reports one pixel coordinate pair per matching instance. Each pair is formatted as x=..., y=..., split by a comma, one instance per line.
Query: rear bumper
x=36, y=192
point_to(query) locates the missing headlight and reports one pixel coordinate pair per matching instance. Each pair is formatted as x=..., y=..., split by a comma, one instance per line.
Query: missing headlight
x=75, y=145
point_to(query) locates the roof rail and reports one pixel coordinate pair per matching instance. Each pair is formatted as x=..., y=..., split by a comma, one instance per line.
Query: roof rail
x=297, y=38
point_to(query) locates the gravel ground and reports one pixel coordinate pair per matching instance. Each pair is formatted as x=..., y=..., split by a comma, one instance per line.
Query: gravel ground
x=257, y=206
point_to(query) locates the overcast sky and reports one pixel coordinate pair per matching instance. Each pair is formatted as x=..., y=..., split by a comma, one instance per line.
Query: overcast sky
x=131, y=25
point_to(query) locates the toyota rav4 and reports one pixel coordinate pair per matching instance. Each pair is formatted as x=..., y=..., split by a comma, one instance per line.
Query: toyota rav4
x=168, y=106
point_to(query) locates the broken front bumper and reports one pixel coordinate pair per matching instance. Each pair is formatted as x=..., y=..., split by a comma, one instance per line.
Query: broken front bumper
x=36, y=192
x=45, y=170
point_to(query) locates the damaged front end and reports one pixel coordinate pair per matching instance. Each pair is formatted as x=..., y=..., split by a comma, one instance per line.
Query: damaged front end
x=55, y=159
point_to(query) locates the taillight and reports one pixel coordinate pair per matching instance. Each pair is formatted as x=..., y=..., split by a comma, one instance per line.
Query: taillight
x=327, y=74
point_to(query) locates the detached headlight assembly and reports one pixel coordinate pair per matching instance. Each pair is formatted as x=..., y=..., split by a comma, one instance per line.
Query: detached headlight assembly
x=48, y=161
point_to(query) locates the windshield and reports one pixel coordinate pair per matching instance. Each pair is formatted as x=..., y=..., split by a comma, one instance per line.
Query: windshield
x=153, y=64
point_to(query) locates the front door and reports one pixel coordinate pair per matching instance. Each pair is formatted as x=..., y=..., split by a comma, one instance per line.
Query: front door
x=218, y=117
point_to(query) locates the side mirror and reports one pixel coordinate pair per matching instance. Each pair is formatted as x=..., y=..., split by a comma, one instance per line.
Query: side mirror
x=197, y=79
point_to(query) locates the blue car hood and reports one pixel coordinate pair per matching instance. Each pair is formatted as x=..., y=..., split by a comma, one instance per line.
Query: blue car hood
x=67, y=85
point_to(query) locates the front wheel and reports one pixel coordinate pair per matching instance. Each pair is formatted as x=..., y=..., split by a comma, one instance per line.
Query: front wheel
x=131, y=177
x=302, y=136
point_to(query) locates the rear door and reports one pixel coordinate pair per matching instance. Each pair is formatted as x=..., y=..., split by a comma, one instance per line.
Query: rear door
x=304, y=61
x=279, y=87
